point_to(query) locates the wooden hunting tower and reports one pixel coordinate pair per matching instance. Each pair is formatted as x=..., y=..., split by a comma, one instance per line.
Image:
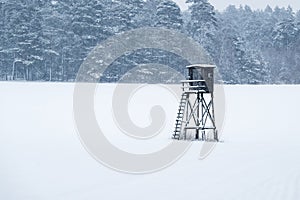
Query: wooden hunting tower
x=196, y=110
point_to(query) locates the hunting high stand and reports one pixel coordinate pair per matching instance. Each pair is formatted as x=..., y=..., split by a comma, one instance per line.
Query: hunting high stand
x=196, y=112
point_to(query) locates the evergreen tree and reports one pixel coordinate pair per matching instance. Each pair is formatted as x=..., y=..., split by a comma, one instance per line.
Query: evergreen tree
x=21, y=32
x=3, y=68
x=298, y=16
x=123, y=15
x=230, y=48
x=203, y=24
x=286, y=43
x=148, y=16
x=57, y=36
x=169, y=15
x=254, y=69
x=285, y=33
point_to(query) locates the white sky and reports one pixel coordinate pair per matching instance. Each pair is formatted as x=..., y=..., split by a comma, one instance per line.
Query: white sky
x=256, y=4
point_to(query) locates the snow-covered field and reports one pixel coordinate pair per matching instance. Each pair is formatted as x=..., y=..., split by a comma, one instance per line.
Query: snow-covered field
x=41, y=156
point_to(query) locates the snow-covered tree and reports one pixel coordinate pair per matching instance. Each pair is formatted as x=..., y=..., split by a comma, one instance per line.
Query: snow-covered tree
x=286, y=43
x=254, y=69
x=298, y=16
x=203, y=19
x=203, y=24
x=285, y=33
x=122, y=15
x=169, y=15
x=148, y=15
x=57, y=38
x=3, y=65
x=22, y=29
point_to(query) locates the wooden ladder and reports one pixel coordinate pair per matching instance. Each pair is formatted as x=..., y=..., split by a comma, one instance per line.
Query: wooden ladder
x=180, y=115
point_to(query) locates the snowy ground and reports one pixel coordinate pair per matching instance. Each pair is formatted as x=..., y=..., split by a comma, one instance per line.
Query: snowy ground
x=41, y=156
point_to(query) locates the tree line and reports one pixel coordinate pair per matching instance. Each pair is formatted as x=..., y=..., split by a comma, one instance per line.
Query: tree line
x=47, y=40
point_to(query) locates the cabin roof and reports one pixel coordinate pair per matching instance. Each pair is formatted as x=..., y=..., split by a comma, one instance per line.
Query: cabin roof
x=201, y=66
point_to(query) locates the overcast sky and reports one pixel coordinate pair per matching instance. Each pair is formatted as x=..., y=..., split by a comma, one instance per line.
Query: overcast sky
x=256, y=4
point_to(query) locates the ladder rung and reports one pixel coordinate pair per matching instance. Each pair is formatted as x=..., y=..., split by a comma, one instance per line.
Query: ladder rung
x=192, y=81
x=195, y=92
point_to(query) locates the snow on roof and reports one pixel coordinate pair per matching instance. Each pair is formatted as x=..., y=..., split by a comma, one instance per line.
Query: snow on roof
x=201, y=66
